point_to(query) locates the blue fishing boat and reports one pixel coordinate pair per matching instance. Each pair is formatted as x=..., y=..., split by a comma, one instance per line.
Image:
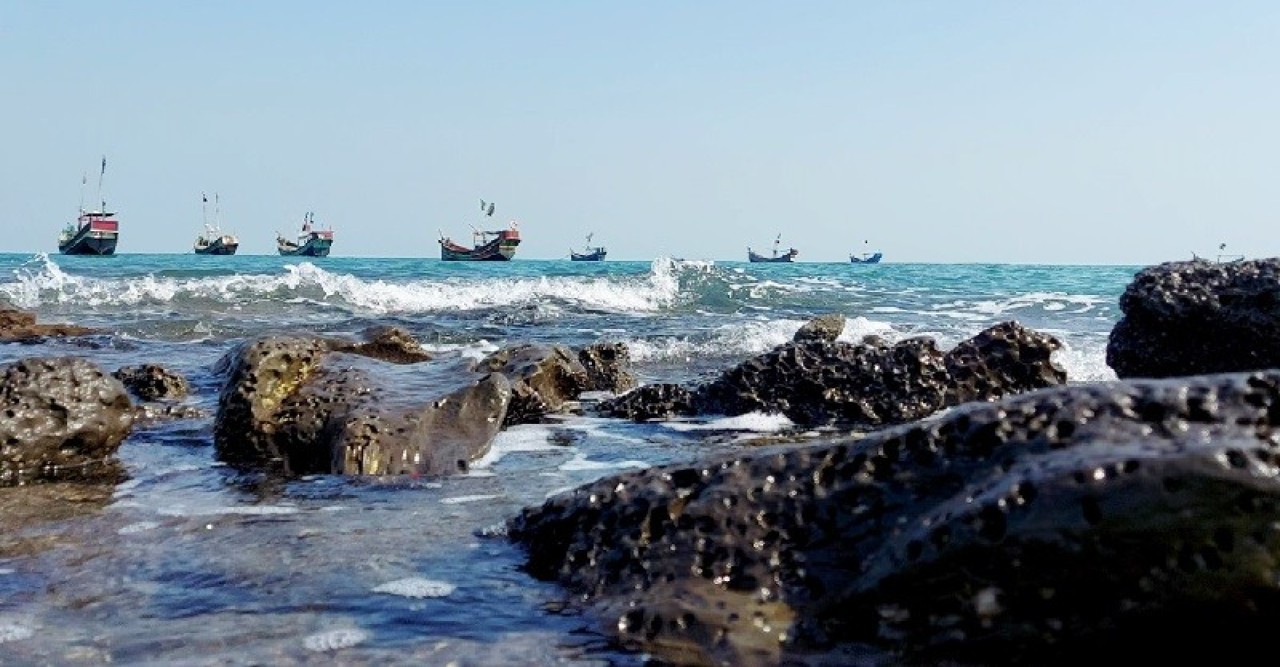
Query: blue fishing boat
x=591, y=254
x=788, y=256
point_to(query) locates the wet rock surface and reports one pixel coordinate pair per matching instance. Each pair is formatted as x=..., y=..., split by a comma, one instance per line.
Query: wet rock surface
x=543, y=379
x=818, y=381
x=295, y=406
x=19, y=325
x=150, y=382
x=61, y=419
x=824, y=327
x=388, y=343
x=608, y=367
x=1189, y=318
x=1115, y=519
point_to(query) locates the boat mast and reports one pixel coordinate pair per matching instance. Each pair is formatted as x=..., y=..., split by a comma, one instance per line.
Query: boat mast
x=217, y=213
x=102, y=173
x=84, y=179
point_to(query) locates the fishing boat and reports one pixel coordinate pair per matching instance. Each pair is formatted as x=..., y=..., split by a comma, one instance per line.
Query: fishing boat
x=866, y=257
x=591, y=254
x=93, y=232
x=788, y=256
x=213, y=241
x=486, y=246
x=311, y=242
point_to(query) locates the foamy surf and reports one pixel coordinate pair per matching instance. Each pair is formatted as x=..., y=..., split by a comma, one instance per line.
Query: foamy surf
x=416, y=587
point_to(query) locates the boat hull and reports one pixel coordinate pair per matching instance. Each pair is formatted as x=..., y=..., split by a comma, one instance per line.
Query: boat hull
x=88, y=242
x=596, y=256
x=314, y=247
x=779, y=259
x=217, y=247
x=501, y=249
x=870, y=259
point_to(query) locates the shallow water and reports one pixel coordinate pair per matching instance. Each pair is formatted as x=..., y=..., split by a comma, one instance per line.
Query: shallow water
x=192, y=562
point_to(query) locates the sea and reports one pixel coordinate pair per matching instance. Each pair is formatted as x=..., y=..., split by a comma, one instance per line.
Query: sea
x=190, y=562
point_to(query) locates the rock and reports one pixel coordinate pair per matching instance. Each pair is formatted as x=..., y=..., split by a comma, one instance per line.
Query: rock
x=824, y=327
x=824, y=382
x=543, y=379
x=17, y=325
x=608, y=367
x=61, y=419
x=295, y=406
x=150, y=382
x=1188, y=318
x=1002, y=360
x=652, y=401
x=1113, y=519
x=388, y=343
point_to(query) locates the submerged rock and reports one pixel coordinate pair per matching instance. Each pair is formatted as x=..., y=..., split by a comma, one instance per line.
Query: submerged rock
x=1189, y=318
x=824, y=327
x=150, y=382
x=296, y=406
x=19, y=325
x=1119, y=519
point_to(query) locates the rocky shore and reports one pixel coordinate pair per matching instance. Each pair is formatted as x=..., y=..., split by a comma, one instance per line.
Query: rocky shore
x=962, y=506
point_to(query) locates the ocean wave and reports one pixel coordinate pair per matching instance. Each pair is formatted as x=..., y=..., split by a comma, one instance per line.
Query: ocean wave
x=668, y=283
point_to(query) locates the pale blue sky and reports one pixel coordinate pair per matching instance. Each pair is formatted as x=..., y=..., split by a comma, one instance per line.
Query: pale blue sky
x=1029, y=132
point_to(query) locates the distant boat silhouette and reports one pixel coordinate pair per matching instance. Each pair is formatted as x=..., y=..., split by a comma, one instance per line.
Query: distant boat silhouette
x=787, y=256
x=213, y=241
x=311, y=242
x=866, y=257
x=592, y=253
x=93, y=232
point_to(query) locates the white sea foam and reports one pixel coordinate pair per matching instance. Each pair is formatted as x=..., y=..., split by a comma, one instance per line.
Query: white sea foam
x=213, y=509
x=753, y=421
x=42, y=281
x=522, y=438
x=745, y=338
x=458, y=500
x=417, y=587
x=15, y=629
x=336, y=639
x=138, y=527
x=581, y=462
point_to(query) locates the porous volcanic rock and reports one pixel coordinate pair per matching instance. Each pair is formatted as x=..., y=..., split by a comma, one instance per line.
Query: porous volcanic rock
x=870, y=384
x=61, y=419
x=608, y=367
x=824, y=327
x=1189, y=318
x=150, y=382
x=1118, y=520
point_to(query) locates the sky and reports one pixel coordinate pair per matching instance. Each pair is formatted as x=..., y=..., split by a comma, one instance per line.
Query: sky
x=1082, y=132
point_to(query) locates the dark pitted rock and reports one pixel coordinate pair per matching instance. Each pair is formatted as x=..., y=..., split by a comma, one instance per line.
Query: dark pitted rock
x=871, y=384
x=544, y=378
x=821, y=382
x=652, y=401
x=294, y=406
x=388, y=343
x=1005, y=359
x=1189, y=318
x=608, y=367
x=61, y=419
x=150, y=382
x=824, y=327
x=1071, y=523
x=18, y=325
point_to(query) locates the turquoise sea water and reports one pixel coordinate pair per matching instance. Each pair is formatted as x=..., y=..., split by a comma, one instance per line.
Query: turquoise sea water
x=191, y=564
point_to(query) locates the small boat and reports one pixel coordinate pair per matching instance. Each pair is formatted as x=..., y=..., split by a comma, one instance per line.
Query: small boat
x=487, y=246
x=93, y=232
x=866, y=257
x=213, y=241
x=311, y=242
x=788, y=256
x=591, y=254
